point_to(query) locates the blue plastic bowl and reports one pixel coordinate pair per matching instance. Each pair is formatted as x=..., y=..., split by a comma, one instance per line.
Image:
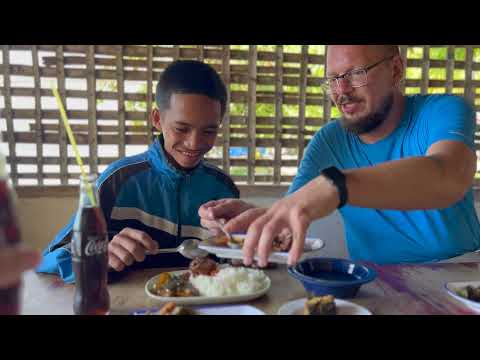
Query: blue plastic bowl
x=326, y=276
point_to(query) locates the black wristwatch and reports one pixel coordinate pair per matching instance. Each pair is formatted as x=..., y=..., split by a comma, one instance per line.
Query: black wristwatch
x=338, y=179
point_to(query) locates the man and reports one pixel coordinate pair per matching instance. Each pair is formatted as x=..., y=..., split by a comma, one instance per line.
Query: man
x=399, y=168
x=151, y=200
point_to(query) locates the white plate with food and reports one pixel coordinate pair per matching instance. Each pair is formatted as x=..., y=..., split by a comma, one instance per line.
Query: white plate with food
x=466, y=292
x=342, y=307
x=222, y=248
x=208, y=283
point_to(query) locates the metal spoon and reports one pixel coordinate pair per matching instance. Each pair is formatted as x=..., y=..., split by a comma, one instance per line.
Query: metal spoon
x=188, y=248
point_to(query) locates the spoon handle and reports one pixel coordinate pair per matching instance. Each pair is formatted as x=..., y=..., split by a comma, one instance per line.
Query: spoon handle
x=161, y=251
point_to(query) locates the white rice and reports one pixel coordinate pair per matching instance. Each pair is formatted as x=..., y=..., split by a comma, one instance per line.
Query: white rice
x=230, y=281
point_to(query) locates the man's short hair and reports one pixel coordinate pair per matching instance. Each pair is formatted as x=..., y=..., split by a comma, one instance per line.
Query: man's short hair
x=190, y=77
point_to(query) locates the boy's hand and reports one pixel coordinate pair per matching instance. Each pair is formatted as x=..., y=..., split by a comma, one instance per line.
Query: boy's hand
x=128, y=246
x=235, y=213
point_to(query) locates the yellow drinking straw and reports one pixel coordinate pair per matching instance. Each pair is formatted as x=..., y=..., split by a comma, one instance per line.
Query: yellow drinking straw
x=73, y=142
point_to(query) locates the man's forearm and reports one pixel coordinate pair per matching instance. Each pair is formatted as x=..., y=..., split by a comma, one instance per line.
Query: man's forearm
x=407, y=184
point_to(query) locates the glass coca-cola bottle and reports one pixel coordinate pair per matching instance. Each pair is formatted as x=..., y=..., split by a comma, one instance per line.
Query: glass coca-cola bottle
x=89, y=253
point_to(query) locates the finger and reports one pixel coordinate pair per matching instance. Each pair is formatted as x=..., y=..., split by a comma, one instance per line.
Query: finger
x=252, y=238
x=204, y=210
x=114, y=262
x=14, y=261
x=122, y=254
x=141, y=237
x=228, y=208
x=271, y=229
x=134, y=247
x=212, y=226
x=241, y=222
x=299, y=229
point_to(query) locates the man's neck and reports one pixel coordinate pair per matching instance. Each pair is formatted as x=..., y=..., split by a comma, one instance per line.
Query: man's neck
x=390, y=124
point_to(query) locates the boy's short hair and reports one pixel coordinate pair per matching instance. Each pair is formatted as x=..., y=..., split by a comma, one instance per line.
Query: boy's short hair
x=190, y=77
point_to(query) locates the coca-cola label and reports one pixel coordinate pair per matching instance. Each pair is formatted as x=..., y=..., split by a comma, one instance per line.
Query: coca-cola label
x=94, y=246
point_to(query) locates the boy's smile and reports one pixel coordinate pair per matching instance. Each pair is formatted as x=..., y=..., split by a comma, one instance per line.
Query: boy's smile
x=189, y=126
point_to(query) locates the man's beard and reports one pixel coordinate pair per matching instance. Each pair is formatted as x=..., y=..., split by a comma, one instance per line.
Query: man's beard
x=370, y=122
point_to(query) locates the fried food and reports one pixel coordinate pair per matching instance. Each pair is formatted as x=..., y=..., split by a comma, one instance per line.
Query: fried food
x=320, y=305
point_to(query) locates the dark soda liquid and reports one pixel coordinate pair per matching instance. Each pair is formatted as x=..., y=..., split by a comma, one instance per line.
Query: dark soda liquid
x=9, y=236
x=90, y=263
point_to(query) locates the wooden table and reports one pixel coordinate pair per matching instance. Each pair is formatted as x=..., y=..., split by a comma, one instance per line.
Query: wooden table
x=398, y=290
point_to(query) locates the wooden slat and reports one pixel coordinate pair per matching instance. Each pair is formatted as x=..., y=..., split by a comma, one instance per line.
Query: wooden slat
x=121, y=102
x=38, y=112
x=226, y=118
x=92, y=110
x=450, y=69
x=403, y=55
x=251, y=108
x=302, y=101
x=469, y=85
x=10, y=135
x=278, y=114
x=425, y=70
x=63, y=134
x=149, y=90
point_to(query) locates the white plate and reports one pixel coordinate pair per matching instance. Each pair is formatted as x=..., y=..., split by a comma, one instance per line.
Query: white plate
x=344, y=307
x=453, y=287
x=203, y=300
x=228, y=310
x=223, y=251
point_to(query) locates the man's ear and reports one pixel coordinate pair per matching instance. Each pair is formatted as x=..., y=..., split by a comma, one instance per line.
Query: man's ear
x=156, y=118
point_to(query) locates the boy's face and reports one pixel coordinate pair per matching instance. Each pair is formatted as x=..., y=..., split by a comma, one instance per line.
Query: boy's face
x=189, y=127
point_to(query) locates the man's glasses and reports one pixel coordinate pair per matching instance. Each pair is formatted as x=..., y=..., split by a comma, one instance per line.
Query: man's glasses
x=356, y=78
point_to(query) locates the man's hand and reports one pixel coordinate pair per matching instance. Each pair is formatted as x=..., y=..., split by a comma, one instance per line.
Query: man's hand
x=127, y=247
x=13, y=262
x=293, y=215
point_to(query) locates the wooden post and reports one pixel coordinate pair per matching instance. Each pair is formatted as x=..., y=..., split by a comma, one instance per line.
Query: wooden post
x=425, y=70
x=277, y=169
x=62, y=132
x=403, y=55
x=201, y=53
x=302, y=102
x=92, y=110
x=38, y=114
x=121, y=102
x=9, y=115
x=450, y=69
x=469, y=85
x=149, y=92
x=226, y=118
x=252, y=106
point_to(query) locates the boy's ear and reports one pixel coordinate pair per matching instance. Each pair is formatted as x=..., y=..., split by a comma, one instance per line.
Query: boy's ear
x=156, y=118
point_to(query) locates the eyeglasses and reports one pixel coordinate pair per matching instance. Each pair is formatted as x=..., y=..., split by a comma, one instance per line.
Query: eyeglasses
x=356, y=78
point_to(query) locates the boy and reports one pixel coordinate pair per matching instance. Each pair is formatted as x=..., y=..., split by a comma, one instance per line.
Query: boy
x=151, y=200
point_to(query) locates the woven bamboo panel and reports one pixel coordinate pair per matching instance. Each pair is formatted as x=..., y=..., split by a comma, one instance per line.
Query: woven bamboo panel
x=275, y=103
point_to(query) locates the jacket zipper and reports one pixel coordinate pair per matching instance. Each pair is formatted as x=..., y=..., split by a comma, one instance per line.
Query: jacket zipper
x=179, y=207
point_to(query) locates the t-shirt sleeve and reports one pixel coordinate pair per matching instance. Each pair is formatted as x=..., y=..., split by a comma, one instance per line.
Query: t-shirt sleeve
x=317, y=157
x=451, y=118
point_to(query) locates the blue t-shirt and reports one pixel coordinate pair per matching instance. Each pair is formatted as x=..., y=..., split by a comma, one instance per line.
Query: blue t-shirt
x=393, y=236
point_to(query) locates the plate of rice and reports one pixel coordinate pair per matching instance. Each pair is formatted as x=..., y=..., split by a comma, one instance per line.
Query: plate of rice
x=228, y=285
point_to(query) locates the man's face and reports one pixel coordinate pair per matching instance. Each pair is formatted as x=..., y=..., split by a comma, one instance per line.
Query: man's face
x=189, y=127
x=363, y=108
